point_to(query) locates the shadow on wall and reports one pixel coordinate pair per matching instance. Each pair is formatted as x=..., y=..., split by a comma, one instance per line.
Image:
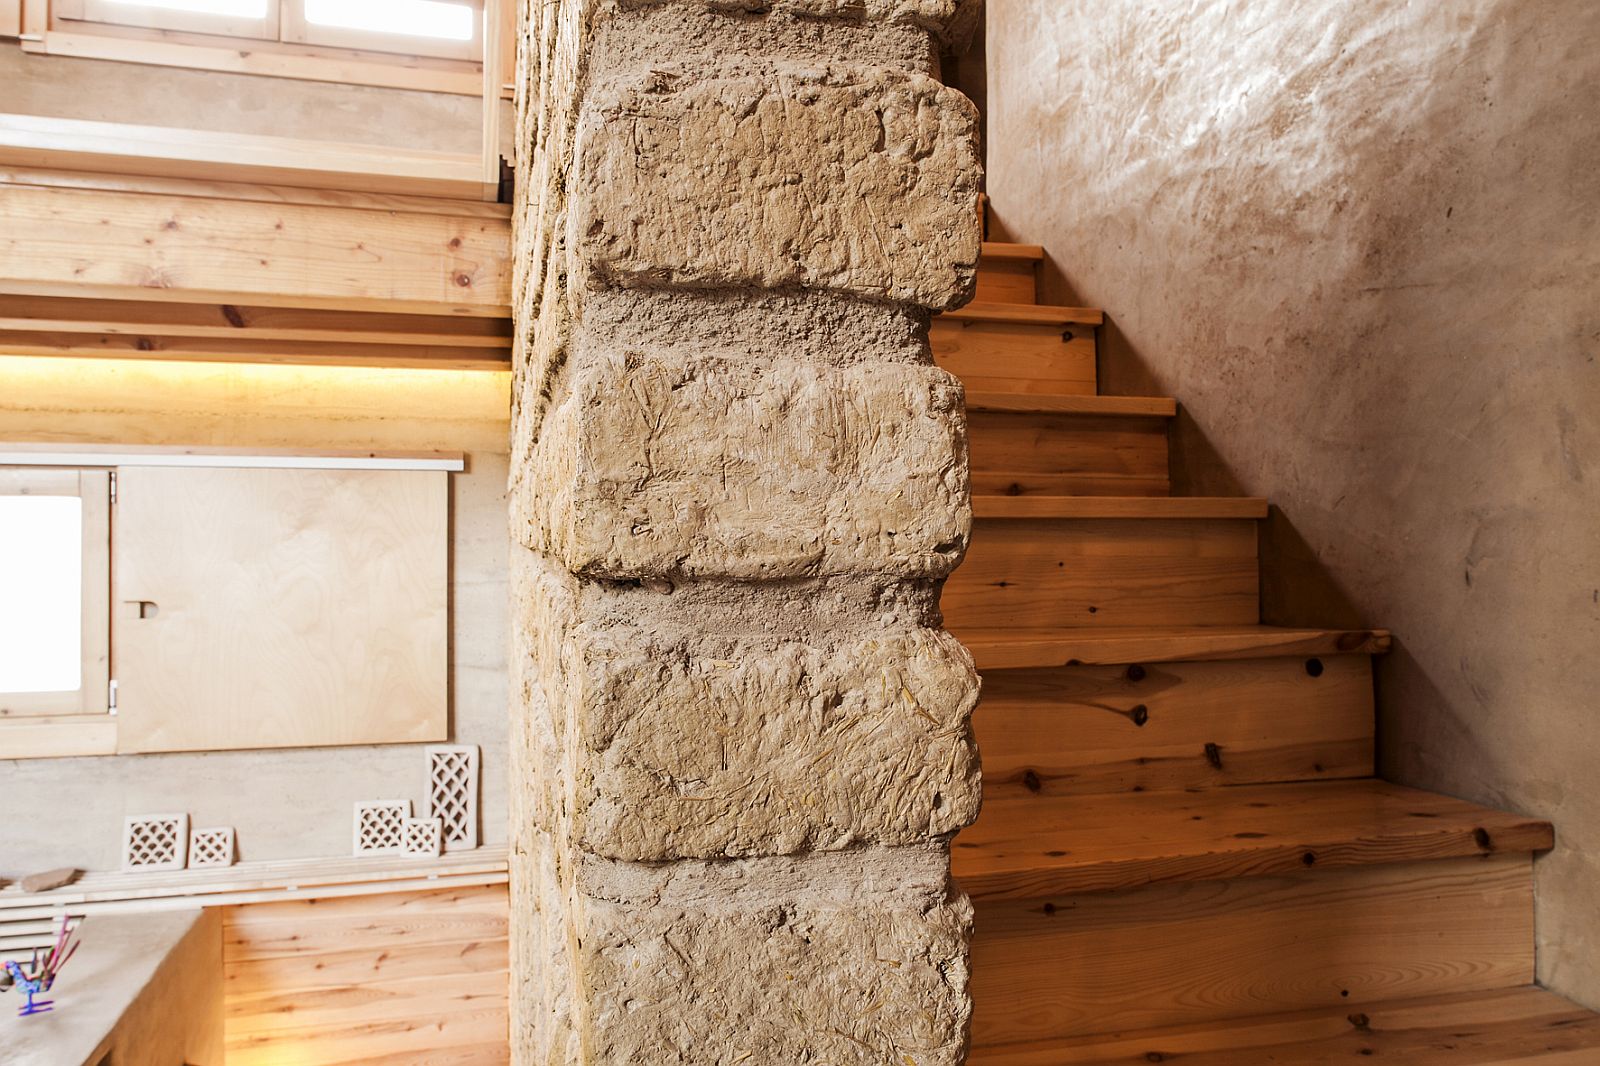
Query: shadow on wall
x=1360, y=243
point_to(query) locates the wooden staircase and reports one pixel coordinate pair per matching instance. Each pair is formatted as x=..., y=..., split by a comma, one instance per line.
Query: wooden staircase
x=1183, y=854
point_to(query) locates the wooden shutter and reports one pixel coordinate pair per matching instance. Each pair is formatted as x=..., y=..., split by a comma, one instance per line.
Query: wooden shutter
x=270, y=608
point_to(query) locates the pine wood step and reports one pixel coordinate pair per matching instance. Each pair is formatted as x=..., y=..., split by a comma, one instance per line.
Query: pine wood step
x=1070, y=730
x=998, y=647
x=1129, y=508
x=1194, y=952
x=1007, y=273
x=1499, y=1028
x=1027, y=847
x=1018, y=347
x=1027, y=314
x=1068, y=445
x=1033, y=403
x=1031, y=253
x=1097, y=573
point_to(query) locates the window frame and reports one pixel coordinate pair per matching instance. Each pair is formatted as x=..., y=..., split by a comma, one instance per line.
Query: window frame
x=283, y=26
x=108, y=12
x=93, y=695
x=295, y=28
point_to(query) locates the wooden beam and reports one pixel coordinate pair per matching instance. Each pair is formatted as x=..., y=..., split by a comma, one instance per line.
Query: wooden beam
x=236, y=321
x=252, y=191
x=493, y=56
x=75, y=144
x=252, y=350
x=138, y=246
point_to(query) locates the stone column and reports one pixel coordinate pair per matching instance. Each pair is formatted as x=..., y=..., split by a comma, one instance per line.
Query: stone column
x=738, y=482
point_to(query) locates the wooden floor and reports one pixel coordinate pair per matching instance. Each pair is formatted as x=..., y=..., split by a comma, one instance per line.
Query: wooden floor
x=1183, y=854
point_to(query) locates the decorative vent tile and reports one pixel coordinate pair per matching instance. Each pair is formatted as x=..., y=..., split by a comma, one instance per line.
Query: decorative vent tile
x=211, y=847
x=453, y=793
x=379, y=827
x=423, y=837
x=155, y=841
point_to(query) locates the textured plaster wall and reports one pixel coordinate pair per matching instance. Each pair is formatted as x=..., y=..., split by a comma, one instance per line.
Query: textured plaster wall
x=1360, y=241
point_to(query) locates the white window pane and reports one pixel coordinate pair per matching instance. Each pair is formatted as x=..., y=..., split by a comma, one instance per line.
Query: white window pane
x=41, y=593
x=240, y=8
x=415, y=18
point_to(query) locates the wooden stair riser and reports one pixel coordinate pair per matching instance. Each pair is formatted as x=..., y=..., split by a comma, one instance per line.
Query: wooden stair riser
x=1106, y=573
x=1204, y=951
x=1007, y=281
x=1017, y=356
x=1517, y=1025
x=1096, y=729
x=1067, y=455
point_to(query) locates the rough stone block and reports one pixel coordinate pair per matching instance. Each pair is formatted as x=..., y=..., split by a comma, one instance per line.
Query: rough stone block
x=679, y=741
x=710, y=468
x=862, y=182
x=853, y=959
x=951, y=20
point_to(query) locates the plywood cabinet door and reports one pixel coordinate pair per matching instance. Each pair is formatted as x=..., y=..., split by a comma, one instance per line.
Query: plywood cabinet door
x=271, y=608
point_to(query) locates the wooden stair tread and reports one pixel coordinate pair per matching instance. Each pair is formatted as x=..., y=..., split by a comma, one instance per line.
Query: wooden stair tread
x=1501, y=1028
x=1011, y=648
x=1029, y=846
x=1158, y=507
x=1027, y=314
x=1009, y=250
x=1054, y=404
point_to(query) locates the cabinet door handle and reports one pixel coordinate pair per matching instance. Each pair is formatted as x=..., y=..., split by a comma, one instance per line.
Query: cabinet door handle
x=143, y=609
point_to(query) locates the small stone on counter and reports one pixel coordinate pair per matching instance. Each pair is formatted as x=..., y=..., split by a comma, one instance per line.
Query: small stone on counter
x=44, y=882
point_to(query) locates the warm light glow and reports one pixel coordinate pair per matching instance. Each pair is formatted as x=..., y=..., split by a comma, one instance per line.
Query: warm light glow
x=41, y=593
x=252, y=9
x=415, y=18
x=59, y=399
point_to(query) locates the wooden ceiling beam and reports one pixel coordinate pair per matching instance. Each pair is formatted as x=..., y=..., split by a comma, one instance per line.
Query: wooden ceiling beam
x=253, y=350
x=87, y=243
x=54, y=314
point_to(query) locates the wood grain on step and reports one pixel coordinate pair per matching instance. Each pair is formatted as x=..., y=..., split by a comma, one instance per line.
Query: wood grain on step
x=1041, y=404
x=1133, y=507
x=1016, y=356
x=1201, y=951
x=1106, y=572
x=1006, y=279
x=1083, y=729
x=1516, y=1025
x=1028, y=846
x=999, y=647
x=1021, y=454
x=1041, y=314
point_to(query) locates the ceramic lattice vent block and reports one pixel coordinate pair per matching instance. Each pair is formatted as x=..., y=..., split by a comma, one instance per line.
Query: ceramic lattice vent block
x=155, y=842
x=211, y=847
x=453, y=793
x=424, y=837
x=379, y=827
